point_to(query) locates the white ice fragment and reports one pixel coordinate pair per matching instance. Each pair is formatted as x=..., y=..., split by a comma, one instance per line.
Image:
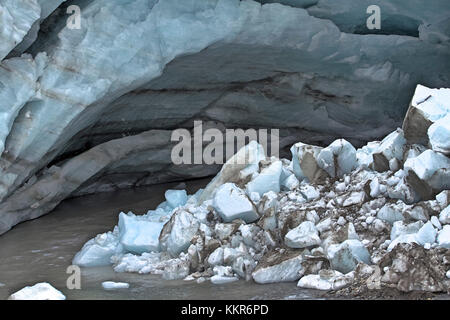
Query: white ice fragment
x=216, y=279
x=176, y=198
x=285, y=271
x=309, y=192
x=443, y=238
x=341, y=221
x=392, y=147
x=439, y=135
x=138, y=234
x=111, y=285
x=232, y=203
x=290, y=183
x=399, y=228
x=426, y=234
x=40, y=291
x=304, y=235
x=98, y=251
x=356, y=197
x=304, y=163
x=338, y=158
x=312, y=216
x=374, y=188
x=216, y=257
x=326, y=280
x=443, y=198
x=345, y=256
x=243, y=164
x=405, y=238
x=444, y=216
x=224, y=230
x=267, y=180
x=435, y=221
x=184, y=226
x=390, y=214
x=431, y=166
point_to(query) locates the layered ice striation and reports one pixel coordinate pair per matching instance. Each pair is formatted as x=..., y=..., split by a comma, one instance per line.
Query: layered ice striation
x=92, y=110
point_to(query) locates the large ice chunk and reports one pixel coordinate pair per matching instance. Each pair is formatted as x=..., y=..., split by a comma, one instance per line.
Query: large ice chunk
x=176, y=198
x=364, y=155
x=244, y=163
x=426, y=234
x=267, y=180
x=392, y=147
x=404, y=238
x=390, y=213
x=232, y=203
x=427, y=106
x=98, y=251
x=111, y=285
x=399, y=228
x=177, y=234
x=432, y=167
x=444, y=216
x=344, y=257
x=277, y=267
x=139, y=234
x=338, y=158
x=439, y=135
x=326, y=280
x=40, y=291
x=304, y=235
x=443, y=238
x=304, y=162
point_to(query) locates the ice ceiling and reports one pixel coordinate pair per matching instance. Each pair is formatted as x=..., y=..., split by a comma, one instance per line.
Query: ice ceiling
x=90, y=110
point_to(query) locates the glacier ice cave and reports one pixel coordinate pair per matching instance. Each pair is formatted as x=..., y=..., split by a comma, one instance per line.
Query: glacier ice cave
x=363, y=174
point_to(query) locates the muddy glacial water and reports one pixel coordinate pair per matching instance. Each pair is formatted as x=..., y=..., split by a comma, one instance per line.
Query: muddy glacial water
x=42, y=249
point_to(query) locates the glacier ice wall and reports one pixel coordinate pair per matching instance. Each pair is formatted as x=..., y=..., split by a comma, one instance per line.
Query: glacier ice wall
x=147, y=67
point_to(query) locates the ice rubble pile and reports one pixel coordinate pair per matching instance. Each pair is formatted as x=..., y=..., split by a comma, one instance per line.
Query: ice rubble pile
x=328, y=218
